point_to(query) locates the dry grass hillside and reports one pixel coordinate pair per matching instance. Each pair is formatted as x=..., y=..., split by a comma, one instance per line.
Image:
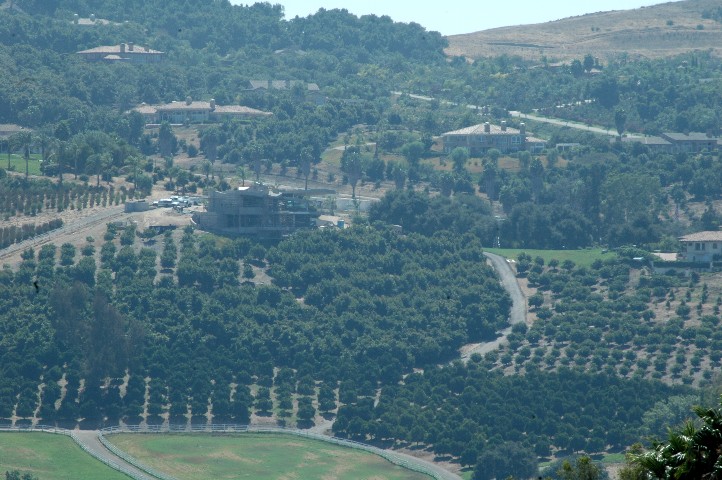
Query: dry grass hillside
x=658, y=31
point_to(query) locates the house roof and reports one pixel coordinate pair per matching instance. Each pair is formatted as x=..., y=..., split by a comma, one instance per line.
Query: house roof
x=534, y=139
x=110, y=49
x=10, y=128
x=280, y=84
x=687, y=137
x=708, y=236
x=199, y=105
x=238, y=109
x=647, y=140
x=479, y=130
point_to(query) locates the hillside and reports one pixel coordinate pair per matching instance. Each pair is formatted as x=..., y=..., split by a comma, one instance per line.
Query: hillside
x=658, y=31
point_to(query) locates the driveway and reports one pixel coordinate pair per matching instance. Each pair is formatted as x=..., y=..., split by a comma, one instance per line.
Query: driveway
x=518, y=307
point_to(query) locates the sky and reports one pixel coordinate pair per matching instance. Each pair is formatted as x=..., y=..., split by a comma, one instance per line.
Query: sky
x=451, y=17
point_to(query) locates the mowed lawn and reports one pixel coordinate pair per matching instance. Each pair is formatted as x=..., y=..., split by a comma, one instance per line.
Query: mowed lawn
x=256, y=456
x=582, y=258
x=50, y=457
x=17, y=163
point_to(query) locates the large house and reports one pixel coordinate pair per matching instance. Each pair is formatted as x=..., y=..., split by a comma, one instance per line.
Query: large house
x=478, y=139
x=195, y=111
x=672, y=142
x=703, y=247
x=258, y=211
x=124, y=52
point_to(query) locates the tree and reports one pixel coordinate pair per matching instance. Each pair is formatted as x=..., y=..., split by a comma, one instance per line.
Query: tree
x=413, y=152
x=582, y=469
x=305, y=163
x=352, y=166
x=23, y=141
x=504, y=460
x=207, y=168
x=459, y=156
x=210, y=140
x=690, y=452
x=576, y=68
x=588, y=62
x=620, y=120
x=167, y=141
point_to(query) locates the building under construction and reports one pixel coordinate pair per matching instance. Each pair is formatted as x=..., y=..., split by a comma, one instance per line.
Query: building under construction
x=259, y=211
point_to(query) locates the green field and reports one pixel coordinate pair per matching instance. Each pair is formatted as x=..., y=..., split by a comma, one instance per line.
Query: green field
x=17, y=163
x=50, y=457
x=256, y=456
x=582, y=258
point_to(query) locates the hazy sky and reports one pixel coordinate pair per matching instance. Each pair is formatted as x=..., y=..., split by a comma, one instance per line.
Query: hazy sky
x=461, y=16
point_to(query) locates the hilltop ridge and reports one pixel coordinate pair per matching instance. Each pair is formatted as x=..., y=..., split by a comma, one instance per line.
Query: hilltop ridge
x=658, y=31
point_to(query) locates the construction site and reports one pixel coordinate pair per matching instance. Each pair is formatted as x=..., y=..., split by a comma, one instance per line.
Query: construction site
x=259, y=211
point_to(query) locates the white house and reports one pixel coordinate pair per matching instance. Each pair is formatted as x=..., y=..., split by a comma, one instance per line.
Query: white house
x=702, y=246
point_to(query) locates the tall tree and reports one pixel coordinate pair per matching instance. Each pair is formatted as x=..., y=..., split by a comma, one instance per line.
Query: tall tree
x=352, y=166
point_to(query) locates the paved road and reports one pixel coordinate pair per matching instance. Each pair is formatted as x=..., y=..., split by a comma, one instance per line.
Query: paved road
x=89, y=439
x=567, y=123
x=535, y=117
x=518, y=307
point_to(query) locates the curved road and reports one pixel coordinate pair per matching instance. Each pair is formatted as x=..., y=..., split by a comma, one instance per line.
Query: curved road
x=518, y=307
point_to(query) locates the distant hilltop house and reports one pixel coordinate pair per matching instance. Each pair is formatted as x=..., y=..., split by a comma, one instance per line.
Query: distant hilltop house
x=311, y=91
x=672, y=142
x=195, y=111
x=125, y=52
x=479, y=139
x=258, y=211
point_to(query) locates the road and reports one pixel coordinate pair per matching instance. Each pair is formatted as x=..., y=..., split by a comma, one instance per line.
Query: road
x=534, y=117
x=518, y=307
x=567, y=123
x=89, y=439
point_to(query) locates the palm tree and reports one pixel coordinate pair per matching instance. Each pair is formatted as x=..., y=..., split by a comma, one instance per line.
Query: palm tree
x=351, y=165
x=689, y=453
x=23, y=140
x=306, y=159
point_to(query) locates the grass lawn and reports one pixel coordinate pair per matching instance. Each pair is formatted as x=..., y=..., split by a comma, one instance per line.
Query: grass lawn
x=256, y=456
x=17, y=163
x=50, y=457
x=582, y=258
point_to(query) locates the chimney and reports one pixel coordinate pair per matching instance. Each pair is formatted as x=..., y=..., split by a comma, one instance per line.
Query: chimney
x=122, y=48
x=213, y=103
x=522, y=128
x=76, y=18
x=503, y=125
x=130, y=46
x=189, y=100
x=487, y=127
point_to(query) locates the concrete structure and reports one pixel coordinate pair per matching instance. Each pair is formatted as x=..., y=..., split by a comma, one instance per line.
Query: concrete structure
x=125, y=52
x=136, y=206
x=191, y=111
x=702, y=247
x=258, y=211
x=478, y=139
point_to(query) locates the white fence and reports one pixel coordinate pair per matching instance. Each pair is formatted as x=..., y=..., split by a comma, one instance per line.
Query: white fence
x=71, y=434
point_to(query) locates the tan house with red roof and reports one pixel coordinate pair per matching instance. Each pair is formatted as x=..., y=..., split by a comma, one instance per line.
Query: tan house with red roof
x=702, y=246
x=124, y=52
x=195, y=111
x=478, y=139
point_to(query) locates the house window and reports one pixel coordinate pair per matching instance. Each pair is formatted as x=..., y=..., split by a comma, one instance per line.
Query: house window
x=515, y=140
x=696, y=246
x=714, y=246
